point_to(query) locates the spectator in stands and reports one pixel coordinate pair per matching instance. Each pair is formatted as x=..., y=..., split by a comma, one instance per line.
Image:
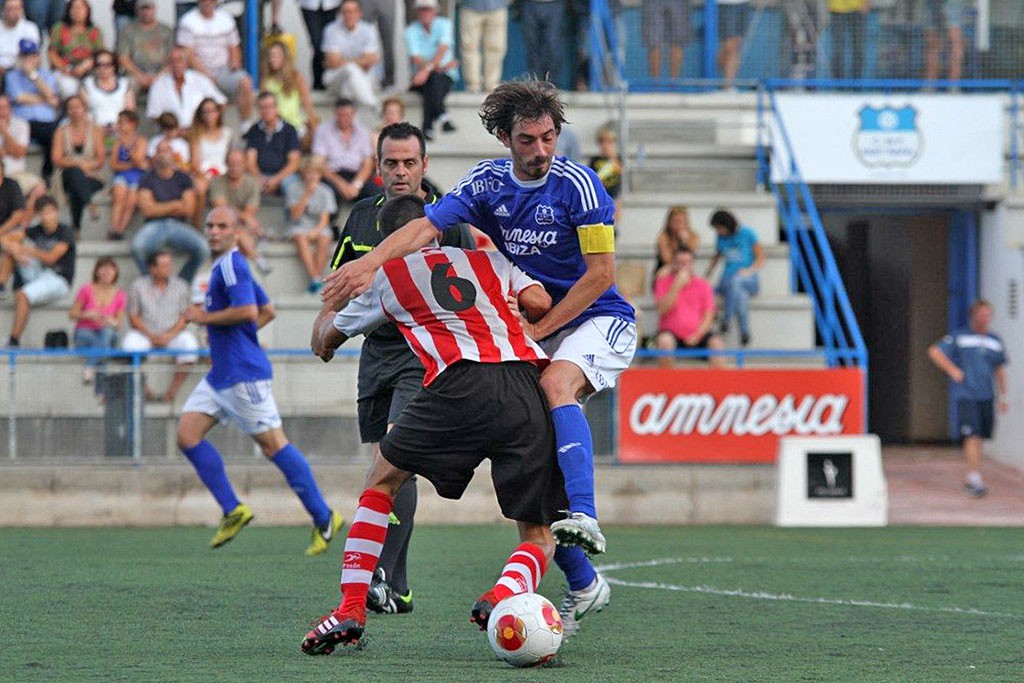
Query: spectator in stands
x=608, y=164
x=345, y=146
x=74, y=42
x=944, y=19
x=128, y=161
x=352, y=55
x=542, y=23
x=733, y=18
x=167, y=202
x=179, y=90
x=686, y=310
x=848, y=21
x=34, y=93
x=98, y=311
x=107, y=94
x=44, y=13
x=240, y=191
x=429, y=42
x=170, y=131
x=156, y=315
x=14, y=28
x=972, y=357
x=209, y=141
x=665, y=23
x=215, y=49
x=272, y=148
x=483, y=41
x=14, y=139
x=738, y=247
x=144, y=46
x=294, y=104
x=317, y=15
x=44, y=257
x=13, y=215
x=79, y=156
x=674, y=234
x=310, y=206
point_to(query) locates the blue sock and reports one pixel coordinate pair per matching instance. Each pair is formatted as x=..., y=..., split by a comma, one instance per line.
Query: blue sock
x=577, y=568
x=210, y=468
x=575, y=457
x=297, y=473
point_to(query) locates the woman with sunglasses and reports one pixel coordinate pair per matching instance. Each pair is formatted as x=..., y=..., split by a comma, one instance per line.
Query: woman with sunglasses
x=107, y=94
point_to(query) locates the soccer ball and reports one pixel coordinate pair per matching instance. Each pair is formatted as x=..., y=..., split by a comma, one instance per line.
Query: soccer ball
x=525, y=630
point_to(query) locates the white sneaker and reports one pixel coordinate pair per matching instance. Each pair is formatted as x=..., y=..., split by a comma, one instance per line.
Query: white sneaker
x=579, y=529
x=578, y=604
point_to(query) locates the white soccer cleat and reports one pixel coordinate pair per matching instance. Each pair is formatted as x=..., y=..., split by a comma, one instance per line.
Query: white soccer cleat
x=578, y=604
x=579, y=529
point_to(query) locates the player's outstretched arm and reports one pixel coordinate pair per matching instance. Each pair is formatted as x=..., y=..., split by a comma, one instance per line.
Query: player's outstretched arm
x=599, y=276
x=354, y=277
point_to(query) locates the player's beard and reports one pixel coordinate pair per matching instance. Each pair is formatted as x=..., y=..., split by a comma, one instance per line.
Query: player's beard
x=538, y=167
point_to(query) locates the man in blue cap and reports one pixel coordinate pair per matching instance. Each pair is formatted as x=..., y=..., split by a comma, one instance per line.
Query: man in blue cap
x=34, y=96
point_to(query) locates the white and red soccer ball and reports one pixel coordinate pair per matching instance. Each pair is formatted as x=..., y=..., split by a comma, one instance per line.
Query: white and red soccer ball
x=525, y=630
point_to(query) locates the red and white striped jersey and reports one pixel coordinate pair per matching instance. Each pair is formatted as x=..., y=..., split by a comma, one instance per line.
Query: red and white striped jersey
x=450, y=304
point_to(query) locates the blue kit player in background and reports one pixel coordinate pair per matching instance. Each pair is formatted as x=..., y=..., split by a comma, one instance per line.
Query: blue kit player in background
x=238, y=389
x=971, y=357
x=554, y=220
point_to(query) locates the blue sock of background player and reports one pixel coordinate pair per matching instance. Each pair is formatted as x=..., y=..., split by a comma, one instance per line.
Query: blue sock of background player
x=575, y=457
x=299, y=476
x=210, y=468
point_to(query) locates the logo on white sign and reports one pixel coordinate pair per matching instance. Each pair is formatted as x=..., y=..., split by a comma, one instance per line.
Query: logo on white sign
x=887, y=137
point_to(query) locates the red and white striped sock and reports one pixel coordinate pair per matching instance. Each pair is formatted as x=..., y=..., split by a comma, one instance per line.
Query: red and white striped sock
x=522, y=573
x=362, y=548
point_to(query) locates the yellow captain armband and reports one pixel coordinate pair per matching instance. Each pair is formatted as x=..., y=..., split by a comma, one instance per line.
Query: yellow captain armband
x=596, y=239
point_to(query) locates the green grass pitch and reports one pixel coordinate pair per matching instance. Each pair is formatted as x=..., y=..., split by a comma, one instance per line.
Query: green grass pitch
x=696, y=603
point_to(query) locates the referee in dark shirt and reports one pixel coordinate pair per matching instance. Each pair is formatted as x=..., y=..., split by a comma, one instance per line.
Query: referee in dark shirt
x=389, y=373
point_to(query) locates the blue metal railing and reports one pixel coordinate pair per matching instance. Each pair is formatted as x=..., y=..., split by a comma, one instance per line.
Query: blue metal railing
x=813, y=267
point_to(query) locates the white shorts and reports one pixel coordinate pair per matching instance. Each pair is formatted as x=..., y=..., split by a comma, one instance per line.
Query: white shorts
x=250, y=405
x=601, y=347
x=184, y=341
x=42, y=285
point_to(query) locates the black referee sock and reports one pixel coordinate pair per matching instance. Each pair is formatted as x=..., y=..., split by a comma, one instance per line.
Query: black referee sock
x=396, y=545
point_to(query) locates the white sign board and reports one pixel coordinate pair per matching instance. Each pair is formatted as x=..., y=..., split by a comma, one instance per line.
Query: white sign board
x=898, y=139
x=831, y=481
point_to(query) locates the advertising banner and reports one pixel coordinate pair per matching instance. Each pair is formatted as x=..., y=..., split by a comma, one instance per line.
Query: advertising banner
x=732, y=416
x=899, y=139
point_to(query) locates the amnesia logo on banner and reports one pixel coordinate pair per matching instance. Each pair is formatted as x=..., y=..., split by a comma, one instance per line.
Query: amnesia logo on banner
x=887, y=136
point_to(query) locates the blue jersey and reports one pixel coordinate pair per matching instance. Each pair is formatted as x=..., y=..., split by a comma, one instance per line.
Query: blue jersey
x=544, y=226
x=234, y=349
x=978, y=355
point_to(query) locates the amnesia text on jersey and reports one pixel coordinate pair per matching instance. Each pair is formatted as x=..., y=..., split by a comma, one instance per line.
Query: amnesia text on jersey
x=235, y=351
x=545, y=226
x=450, y=304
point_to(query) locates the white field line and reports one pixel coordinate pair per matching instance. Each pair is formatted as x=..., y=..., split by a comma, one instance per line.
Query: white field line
x=762, y=595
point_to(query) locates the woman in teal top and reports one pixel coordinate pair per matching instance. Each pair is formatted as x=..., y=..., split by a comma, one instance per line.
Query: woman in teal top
x=738, y=247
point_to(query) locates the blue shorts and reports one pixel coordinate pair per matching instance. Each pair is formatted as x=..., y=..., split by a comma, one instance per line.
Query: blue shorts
x=733, y=20
x=975, y=418
x=944, y=14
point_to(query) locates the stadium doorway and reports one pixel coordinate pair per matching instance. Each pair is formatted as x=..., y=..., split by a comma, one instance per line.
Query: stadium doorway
x=907, y=273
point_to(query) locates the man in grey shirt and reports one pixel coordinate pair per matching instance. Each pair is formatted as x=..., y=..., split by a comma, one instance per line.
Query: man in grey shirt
x=156, y=314
x=352, y=56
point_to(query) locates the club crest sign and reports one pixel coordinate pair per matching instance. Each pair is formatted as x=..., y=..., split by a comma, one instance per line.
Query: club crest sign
x=887, y=137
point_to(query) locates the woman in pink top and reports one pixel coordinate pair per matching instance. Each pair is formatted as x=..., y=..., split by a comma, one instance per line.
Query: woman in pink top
x=98, y=311
x=686, y=310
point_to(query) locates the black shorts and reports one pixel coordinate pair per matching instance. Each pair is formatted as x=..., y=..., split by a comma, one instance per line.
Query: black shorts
x=975, y=418
x=382, y=408
x=702, y=343
x=474, y=411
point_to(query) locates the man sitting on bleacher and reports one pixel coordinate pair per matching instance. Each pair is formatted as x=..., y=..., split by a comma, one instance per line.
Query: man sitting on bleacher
x=42, y=260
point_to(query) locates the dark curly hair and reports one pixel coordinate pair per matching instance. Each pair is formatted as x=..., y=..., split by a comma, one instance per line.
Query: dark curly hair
x=524, y=99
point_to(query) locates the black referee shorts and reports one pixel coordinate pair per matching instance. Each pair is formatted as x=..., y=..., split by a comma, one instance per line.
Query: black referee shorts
x=474, y=411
